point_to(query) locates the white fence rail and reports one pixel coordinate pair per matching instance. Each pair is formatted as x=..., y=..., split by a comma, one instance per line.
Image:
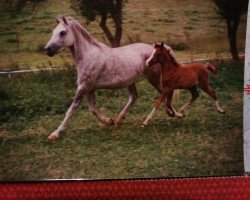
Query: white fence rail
x=56, y=68
x=53, y=68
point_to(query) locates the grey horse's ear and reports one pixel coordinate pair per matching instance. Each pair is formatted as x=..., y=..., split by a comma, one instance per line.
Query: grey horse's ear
x=64, y=20
x=154, y=45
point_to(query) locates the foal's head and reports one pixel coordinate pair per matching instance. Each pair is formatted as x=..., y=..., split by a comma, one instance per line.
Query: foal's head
x=62, y=37
x=161, y=54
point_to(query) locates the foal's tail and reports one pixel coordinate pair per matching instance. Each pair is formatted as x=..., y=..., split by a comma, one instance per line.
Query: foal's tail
x=212, y=68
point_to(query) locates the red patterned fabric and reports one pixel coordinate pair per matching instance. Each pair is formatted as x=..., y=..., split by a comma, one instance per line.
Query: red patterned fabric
x=235, y=188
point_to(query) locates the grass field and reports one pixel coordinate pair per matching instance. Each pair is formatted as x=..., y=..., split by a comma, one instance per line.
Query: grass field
x=204, y=143
x=189, y=26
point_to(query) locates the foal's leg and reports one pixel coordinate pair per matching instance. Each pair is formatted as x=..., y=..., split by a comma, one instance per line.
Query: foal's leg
x=154, y=78
x=195, y=95
x=212, y=94
x=204, y=85
x=169, y=109
x=93, y=109
x=158, y=102
x=76, y=101
x=132, y=98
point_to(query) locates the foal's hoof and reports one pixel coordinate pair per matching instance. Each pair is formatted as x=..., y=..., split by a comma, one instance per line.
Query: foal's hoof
x=182, y=111
x=53, y=138
x=170, y=113
x=180, y=115
x=222, y=111
x=143, y=125
x=119, y=121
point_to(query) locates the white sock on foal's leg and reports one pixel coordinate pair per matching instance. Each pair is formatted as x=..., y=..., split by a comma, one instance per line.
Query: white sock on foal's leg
x=184, y=108
x=218, y=108
x=149, y=117
x=177, y=114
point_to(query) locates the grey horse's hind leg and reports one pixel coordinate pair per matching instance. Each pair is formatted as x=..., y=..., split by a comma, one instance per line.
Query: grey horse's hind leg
x=93, y=109
x=132, y=98
x=77, y=100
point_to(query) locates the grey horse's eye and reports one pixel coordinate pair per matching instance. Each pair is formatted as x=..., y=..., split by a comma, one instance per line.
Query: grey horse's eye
x=62, y=33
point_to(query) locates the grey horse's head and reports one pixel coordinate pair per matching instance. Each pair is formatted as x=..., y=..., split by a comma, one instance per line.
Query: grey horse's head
x=62, y=37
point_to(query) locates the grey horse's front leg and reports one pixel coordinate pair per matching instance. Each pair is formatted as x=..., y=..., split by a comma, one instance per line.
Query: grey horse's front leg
x=76, y=101
x=93, y=109
x=132, y=98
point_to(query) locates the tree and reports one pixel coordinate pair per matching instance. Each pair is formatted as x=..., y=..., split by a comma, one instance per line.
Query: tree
x=231, y=11
x=105, y=9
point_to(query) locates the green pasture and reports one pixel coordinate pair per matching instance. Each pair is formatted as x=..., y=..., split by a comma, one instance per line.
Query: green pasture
x=204, y=143
x=191, y=27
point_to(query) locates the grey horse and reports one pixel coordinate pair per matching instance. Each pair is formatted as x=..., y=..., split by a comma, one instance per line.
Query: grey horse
x=99, y=66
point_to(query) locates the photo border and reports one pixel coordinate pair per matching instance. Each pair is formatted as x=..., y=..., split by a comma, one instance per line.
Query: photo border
x=235, y=188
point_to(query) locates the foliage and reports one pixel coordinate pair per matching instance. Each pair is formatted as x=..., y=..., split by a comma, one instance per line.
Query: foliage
x=16, y=6
x=92, y=9
x=228, y=9
x=105, y=9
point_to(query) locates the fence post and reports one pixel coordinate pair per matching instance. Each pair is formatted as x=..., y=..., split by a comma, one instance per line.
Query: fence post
x=246, y=107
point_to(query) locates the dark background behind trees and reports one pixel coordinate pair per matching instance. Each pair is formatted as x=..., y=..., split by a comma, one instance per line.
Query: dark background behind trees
x=106, y=11
x=16, y=6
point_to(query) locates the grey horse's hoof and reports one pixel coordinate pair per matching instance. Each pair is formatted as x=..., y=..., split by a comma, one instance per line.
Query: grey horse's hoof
x=119, y=121
x=109, y=121
x=181, y=115
x=53, y=138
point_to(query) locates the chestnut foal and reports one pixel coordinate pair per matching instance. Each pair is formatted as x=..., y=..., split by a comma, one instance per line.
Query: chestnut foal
x=177, y=76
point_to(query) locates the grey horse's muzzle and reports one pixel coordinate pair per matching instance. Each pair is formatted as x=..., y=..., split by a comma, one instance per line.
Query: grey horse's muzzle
x=51, y=49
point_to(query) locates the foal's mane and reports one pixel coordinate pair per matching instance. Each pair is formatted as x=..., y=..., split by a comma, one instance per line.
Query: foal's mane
x=78, y=31
x=166, y=49
x=170, y=53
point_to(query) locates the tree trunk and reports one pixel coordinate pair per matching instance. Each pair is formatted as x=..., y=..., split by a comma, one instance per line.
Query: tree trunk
x=232, y=27
x=20, y=5
x=103, y=24
x=117, y=18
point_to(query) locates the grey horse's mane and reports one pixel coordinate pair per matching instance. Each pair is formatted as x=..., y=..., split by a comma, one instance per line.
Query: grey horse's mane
x=77, y=28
